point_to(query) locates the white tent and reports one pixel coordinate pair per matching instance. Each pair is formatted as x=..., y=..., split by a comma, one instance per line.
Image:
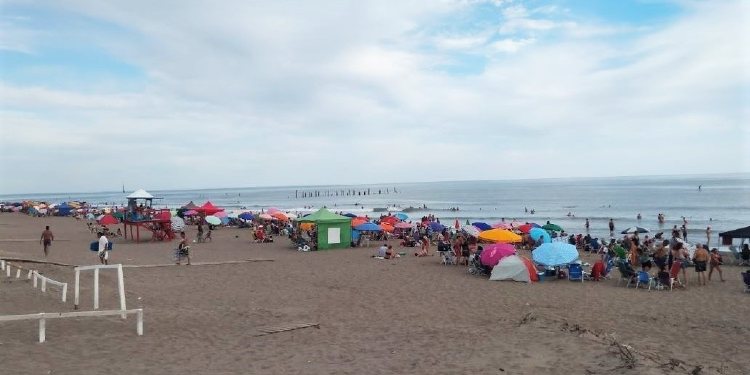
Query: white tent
x=140, y=194
x=511, y=267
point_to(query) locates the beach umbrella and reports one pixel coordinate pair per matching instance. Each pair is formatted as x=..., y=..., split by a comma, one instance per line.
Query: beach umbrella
x=437, y=227
x=389, y=219
x=481, y=225
x=499, y=235
x=471, y=230
x=89, y=216
x=502, y=225
x=494, y=252
x=273, y=210
x=233, y=215
x=290, y=215
x=280, y=216
x=358, y=221
x=555, y=254
x=635, y=230
x=224, y=220
x=371, y=227
x=213, y=220
x=401, y=216
x=177, y=224
x=108, y=220
x=265, y=217
x=552, y=227
x=246, y=216
x=403, y=225
x=526, y=228
x=619, y=251
x=350, y=215
x=190, y=213
x=220, y=214
x=387, y=227
x=535, y=233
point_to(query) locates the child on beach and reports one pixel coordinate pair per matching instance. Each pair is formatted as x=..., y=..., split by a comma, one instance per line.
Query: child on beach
x=715, y=264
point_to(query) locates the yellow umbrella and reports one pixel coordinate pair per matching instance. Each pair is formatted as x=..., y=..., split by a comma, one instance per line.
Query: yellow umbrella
x=306, y=226
x=499, y=235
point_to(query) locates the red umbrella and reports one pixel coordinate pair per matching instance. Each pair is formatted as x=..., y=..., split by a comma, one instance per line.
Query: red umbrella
x=403, y=225
x=208, y=208
x=108, y=220
x=492, y=254
x=390, y=220
x=526, y=228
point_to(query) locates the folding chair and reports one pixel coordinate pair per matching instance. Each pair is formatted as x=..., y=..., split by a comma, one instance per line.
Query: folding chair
x=643, y=279
x=575, y=272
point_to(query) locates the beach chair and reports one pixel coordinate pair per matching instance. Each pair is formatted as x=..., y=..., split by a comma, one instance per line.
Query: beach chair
x=627, y=273
x=663, y=281
x=644, y=278
x=674, y=274
x=746, y=279
x=575, y=272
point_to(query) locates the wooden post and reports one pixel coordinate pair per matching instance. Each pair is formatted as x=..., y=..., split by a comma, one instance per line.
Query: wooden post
x=44, y=284
x=77, y=291
x=7, y=270
x=42, y=328
x=121, y=289
x=64, y=292
x=36, y=277
x=139, y=324
x=96, y=288
x=28, y=277
x=18, y=273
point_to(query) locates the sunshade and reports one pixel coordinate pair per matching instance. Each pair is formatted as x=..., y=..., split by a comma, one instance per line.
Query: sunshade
x=246, y=216
x=635, y=230
x=526, y=228
x=372, y=227
x=273, y=210
x=265, y=216
x=552, y=227
x=401, y=215
x=350, y=215
x=502, y=225
x=535, y=233
x=108, y=220
x=481, y=225
x=403, y=225
x=387, y=227
x=213, y=220
x=220, y=214
x=280, y=215
x=208, y=208
x=493, y=253
x=306, y=226
x=499, y=235
x=437, y=227
x=190, y=213
x=290, y=215
x=471, y=230
x=358, y=221
x=555, y=254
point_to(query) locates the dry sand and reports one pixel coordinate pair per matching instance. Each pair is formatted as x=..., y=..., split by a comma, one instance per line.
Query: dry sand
x=410, y=315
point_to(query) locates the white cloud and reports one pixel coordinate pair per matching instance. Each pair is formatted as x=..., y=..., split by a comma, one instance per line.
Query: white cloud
x=248, y=93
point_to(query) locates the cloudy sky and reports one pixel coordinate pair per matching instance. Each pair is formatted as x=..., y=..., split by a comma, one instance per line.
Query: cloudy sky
x=199, y=94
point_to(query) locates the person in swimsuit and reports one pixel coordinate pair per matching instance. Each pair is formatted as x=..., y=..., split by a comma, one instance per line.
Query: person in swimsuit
x=715, y=264
x=46, y=239
x=700, y=258
x=679, y=255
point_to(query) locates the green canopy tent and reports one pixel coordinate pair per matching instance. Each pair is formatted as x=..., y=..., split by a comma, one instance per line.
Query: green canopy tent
x=334, y=231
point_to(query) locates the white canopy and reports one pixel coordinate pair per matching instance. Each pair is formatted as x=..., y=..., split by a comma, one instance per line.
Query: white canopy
x=140, y=194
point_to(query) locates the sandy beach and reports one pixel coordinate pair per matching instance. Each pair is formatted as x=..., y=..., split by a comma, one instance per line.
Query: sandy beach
x=409, y=315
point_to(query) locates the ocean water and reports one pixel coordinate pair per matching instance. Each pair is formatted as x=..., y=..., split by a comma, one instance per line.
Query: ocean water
x=723, y=201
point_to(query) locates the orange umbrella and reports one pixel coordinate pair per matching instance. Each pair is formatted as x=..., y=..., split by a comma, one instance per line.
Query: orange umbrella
x=499, y=235
x=280, y=215
x=387, y=227
x=306, y=226
x=358, y=221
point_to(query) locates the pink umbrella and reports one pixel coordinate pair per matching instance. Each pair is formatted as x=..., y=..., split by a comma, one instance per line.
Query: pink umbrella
x=220, y=214
x=273, y=210
x=502, y=225
x=190, y=213
x=265, y=216
x=492, y=254
x=403, y=225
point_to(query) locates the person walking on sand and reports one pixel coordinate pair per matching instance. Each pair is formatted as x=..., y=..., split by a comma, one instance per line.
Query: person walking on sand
x=700, y=258
x=103, y=248
x=715, y=264
x=46, y=239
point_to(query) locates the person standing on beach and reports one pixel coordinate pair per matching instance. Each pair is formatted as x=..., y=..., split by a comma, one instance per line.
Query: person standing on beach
x=46, y=239
x=103, y=248
x=611, y=228
x=587, y=224
x=684, y=232
x=700, y=258
x=715, y=264
x=708, y=236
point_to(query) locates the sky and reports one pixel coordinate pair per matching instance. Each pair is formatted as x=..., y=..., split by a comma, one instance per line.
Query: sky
x=196, y=94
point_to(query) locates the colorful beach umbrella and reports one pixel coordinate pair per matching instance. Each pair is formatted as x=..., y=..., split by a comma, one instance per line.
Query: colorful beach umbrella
x=401, y=216
x=265, y=217
x=471, y=230
x=552, y=227
x=555, y=254
x=273, y=210
x=213, y=220
x=499, y=235
x=108, y=220
x=371, y=227
x=526, y=228
x=502, y=225
x=481, y=225
x=246, y=216
x=190, y=213
x=221, y=214
x=437, y=227
x=492, y=254
x=387, y=227
x=279, y=216
x=535, y=233
x=358, y=221
x=403, y=225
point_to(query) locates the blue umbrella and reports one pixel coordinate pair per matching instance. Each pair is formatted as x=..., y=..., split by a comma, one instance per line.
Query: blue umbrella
x=246, y=216
x=554, y=254
x=535, y=233
x=401, y=216
x=224, y=220
x=372, y=227
x=437, y=227
x=350, y=215
x=481, y=225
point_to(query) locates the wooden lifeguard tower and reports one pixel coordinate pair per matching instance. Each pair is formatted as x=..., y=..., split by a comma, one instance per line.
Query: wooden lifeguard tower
x=141, y=214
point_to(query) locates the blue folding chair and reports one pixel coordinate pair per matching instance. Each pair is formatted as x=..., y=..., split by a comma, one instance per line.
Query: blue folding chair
x=575, y=272
x=644, y=278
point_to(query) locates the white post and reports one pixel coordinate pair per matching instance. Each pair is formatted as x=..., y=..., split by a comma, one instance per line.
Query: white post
x=29, y=275
x=18, y=273
x=44, y=284
x=121, y=289
x=42, y=328
x=36, y=277
x=7, y=270
x=96, y=288
x=64, y=291
x=2, y=264
x=139, y=326
x=75, y=302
